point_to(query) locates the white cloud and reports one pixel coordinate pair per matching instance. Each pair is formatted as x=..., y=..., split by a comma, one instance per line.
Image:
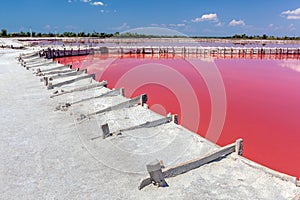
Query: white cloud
x=180, y=25
x=220, y=24
x=237, y=23
x=291, y=14
x=97, y=3
x=85, y=1
x=175, y=25
x=206, y=17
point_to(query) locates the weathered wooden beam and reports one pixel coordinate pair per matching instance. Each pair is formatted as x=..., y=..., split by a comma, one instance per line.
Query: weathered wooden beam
x=72, y=81
x=156, y=175
x=86, y=87
x=24, y=56
x=56, y=68
x=239, y=147
x=150, y=124
x=57, y=71
x=127, y=104
x=192, y=164
x=40, y=64
x=32, y=61
x=63, y=75
x=196, y=163
x=110, y=93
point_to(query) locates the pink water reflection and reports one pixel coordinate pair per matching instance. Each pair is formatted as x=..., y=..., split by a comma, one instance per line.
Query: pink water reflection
x=263, y=98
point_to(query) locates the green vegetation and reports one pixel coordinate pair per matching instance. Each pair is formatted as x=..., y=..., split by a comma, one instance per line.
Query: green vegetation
x=4, y=33
x=263, y=37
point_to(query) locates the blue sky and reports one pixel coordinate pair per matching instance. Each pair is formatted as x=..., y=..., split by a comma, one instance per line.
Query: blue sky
x=191, y=17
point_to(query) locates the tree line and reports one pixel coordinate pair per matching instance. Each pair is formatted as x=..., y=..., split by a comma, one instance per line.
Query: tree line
x=263, y=37
x=5, y=33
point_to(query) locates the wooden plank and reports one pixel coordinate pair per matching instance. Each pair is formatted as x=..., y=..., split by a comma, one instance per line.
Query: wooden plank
x=33, y=60
x=56, y=68
x=72, y=81
x=40, y=64
x=150, y=124
x=192, y=164
x=86, y=87
x=59, y=72
x=63, y=75
x=127, y=104
x=196, y=163
x=29, y=55
x=110, y=93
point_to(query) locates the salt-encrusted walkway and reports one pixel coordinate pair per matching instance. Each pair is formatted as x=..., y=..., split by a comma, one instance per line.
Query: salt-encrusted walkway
x=49, y=154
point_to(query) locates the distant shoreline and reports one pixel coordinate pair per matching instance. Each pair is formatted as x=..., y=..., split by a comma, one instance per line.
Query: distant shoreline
x=164, y=39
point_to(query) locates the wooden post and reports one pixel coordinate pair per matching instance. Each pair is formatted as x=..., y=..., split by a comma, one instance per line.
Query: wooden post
x=239, y=147
x=186, y=166
x=126, y=104
x=143, y=99
x=105, y=131
x=50, y=86
x=156, y=175
x=175, y=119
x=46, y=81
x=122, y=92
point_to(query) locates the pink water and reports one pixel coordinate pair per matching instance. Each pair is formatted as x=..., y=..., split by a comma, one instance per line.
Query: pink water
x=262, y=98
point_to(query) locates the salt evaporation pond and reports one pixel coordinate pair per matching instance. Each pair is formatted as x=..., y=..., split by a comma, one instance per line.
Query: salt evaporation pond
x=222, y=99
